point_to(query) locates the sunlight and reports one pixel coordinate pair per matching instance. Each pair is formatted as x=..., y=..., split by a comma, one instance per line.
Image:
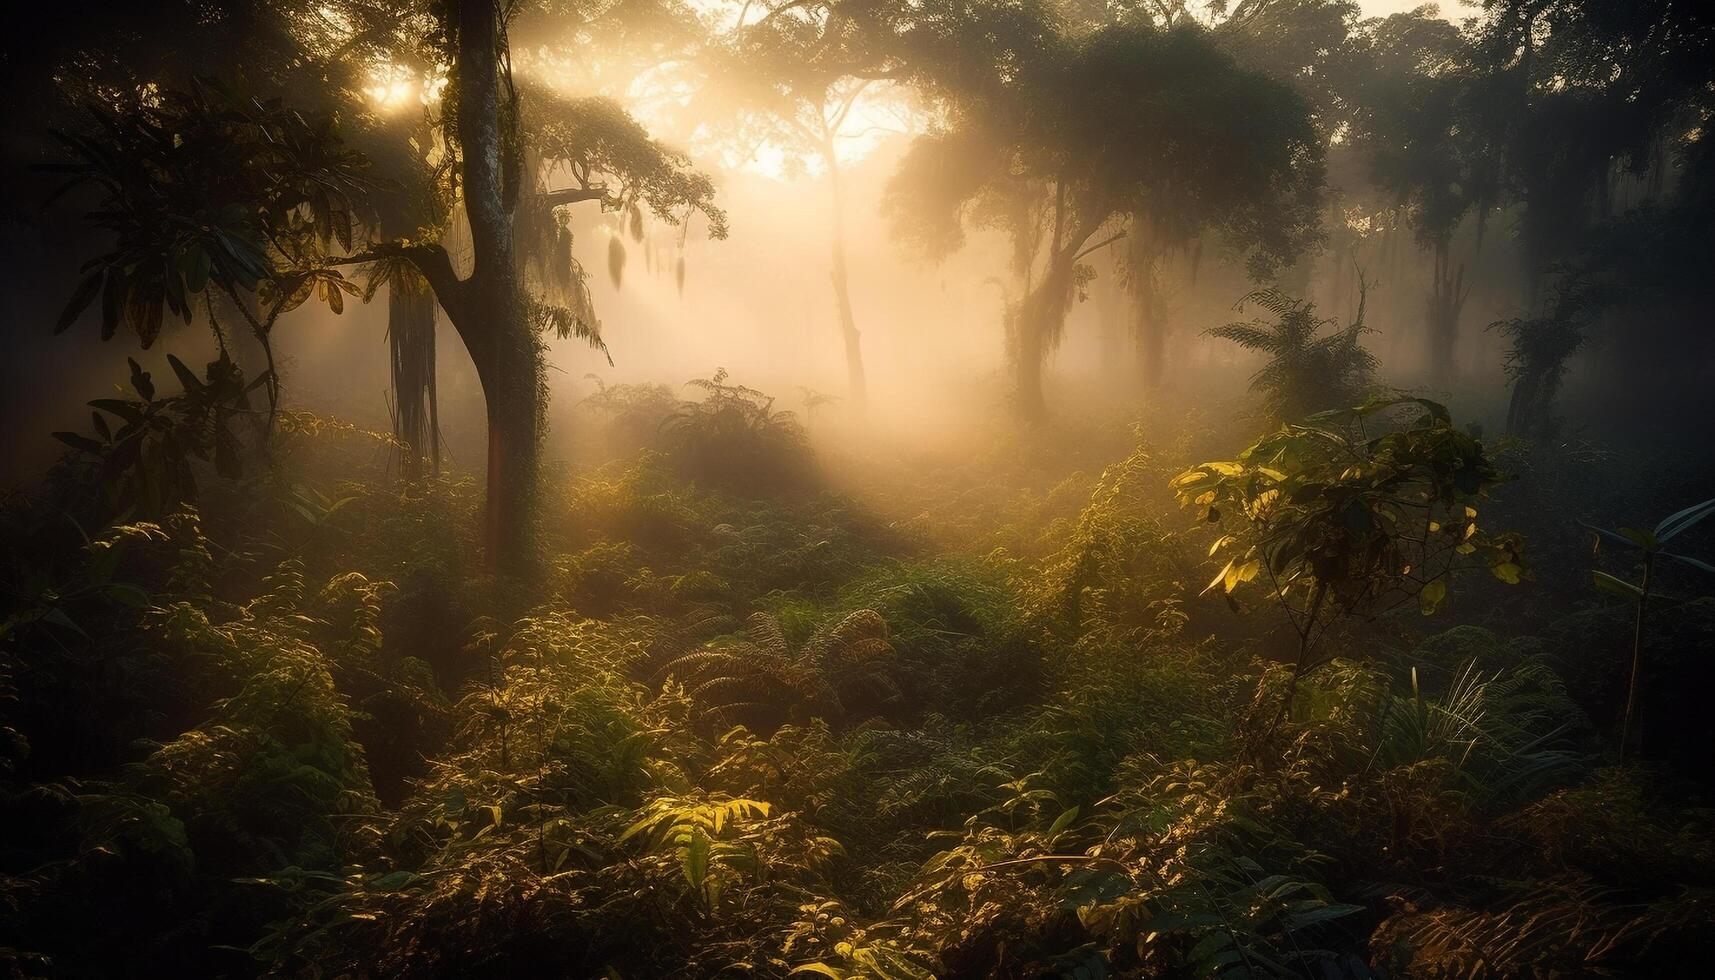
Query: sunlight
x=926, y=490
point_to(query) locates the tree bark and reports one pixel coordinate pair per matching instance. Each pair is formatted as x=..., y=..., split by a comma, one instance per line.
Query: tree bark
x=857, y=384
x=488, y=309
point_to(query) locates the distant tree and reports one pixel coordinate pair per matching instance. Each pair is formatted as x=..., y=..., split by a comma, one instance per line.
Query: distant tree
x=1071, y=143
x=795, y=76
x=1420, y=121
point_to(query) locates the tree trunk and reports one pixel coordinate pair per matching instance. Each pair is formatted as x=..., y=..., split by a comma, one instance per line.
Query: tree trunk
x=1447, y=294
x=1151, y=342
x=857, y=386
x=490, y=315
x=1041, y=318
x=1149, y=326
x=1521, y=407
x=513, y=387
x=1027, y=367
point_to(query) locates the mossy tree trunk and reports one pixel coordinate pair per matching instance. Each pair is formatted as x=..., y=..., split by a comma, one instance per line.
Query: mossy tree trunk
x=488, y=308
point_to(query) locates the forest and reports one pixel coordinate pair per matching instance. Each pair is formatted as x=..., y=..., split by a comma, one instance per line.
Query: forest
x=863, y=489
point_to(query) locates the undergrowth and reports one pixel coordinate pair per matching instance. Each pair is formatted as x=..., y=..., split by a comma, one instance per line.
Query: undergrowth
x=749, y=725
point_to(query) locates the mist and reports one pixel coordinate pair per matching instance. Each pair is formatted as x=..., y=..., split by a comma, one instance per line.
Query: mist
x=879, y=490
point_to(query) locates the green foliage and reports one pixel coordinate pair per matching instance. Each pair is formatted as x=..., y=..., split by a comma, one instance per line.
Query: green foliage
x=144, y=461
x=205, y=188
x=1334, y=518
x=843, y=671
x=734, y=438
x=1305, y=373
x=1333, y=512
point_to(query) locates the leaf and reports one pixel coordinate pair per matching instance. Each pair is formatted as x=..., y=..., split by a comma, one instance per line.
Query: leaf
x=1683, y=520
x=144, y=308
x=1508, y=572
x=187, y=377
x=195, y=265
x=1316, y=916
x=697, y=858
x=1642, y=539
x=80, y=300
x=127, y=594
x=1433, y=594
x=1241, y=574
x=128, y=411
x=342, y=228
x=1618, y=586
x=1220, y=577
x=1693, y=562
x=75, y=441
x=1060, y=823
x=58, y=617
x=140, y=380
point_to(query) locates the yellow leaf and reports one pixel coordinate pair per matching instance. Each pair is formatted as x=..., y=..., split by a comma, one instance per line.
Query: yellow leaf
x=1243, y=573
x=1507, y=572
x=1219, y=577
x=1430, y=598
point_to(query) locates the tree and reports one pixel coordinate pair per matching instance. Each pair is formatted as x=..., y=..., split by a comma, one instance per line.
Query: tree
x=258, y=238
x=1421, y=119
x=1332, y=517
x=796, y=75
x=1074, y=142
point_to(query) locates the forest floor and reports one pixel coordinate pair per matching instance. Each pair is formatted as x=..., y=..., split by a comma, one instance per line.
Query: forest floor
x=877, y=712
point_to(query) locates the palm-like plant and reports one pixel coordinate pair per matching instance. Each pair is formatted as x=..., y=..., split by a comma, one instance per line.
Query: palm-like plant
x=760, y=680
x=1306, y=370
x=734, y=436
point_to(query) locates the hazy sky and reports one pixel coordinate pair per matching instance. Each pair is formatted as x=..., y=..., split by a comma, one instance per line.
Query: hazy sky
x=1451, y=9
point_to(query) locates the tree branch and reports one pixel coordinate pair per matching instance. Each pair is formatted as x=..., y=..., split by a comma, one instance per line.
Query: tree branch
x=1104, y=243
x=430, y=259
x=575, y=195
